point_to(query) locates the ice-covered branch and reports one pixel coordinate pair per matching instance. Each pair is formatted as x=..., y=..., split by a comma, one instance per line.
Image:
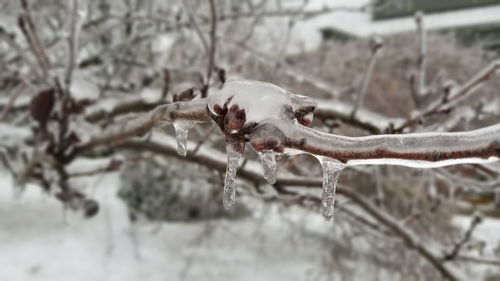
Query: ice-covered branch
x=425, y=150
x=274, y=121
x=192, y=111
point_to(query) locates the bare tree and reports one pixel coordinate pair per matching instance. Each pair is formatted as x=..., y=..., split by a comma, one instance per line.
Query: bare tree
x=95, y=79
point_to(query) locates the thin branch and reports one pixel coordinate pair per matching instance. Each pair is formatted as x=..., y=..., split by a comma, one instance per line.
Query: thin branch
x=203, y=140
x=112, y=166
x=126, y=107
x=410, y=239
x=30, y=32
x=420, y=85
x=476, y=220
x=213, y=45
x=195, y=111
x=74, y=30
x=456, y=96
x=375, y=50
x=195, y=25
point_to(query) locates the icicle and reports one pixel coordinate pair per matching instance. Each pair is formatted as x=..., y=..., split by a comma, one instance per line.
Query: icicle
x=331, y=173
x=229, y=194
x=268, y=160
x=181, y=133
x=181, y=136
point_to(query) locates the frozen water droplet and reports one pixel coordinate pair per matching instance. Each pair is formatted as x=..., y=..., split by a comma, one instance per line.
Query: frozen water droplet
x=229, y=194
x=268, y=160
x=331, y=173
x=181, y=133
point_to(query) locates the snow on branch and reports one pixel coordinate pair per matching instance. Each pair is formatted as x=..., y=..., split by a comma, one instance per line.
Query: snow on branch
x=275, y=122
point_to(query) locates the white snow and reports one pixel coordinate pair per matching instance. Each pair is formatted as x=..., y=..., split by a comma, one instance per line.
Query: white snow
x=151, y=95
x=82, y=87
x=36, y=244
x=12, y=135
x=260, y=100
x=306, y=34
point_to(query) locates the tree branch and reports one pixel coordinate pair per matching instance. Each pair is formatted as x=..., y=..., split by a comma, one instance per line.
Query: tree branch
x=425, y=150
x=375, y=50
x=213, y=45
x=455, y=96
x=412, y=150
x=195, y=111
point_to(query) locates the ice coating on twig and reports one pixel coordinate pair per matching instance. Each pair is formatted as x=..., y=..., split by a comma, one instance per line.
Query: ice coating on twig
x=331, y=172
x=181, y=133
x=229, y=193
x=259, y=99
x=268, y=160
x=252, y=102
x=240, y=108
x=422, y=150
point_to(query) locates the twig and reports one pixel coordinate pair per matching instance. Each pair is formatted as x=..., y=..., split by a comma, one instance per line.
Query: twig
x=213, y=46
x=375, y=49
x=203, y=140
x=476, y=220
x=195, y=111
x=463, y=92
x=112, y=166
x=420, y=85
x=75, y=25
x=410, y=239
x=28, y=28
x=195, y=25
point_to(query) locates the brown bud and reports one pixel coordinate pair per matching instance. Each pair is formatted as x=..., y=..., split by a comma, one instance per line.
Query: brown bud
x=41, y=106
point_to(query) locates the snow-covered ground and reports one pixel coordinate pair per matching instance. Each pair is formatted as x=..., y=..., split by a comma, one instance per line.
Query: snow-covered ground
x=37, y=244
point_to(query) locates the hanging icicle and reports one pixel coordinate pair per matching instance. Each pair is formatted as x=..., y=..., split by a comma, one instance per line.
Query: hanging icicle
x=268, y=160
x=229, y=193
x=331, y=172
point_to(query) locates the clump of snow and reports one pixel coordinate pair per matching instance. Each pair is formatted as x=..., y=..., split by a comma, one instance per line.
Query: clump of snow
x=151, y=95
x=82, y=88
x=260, y=100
